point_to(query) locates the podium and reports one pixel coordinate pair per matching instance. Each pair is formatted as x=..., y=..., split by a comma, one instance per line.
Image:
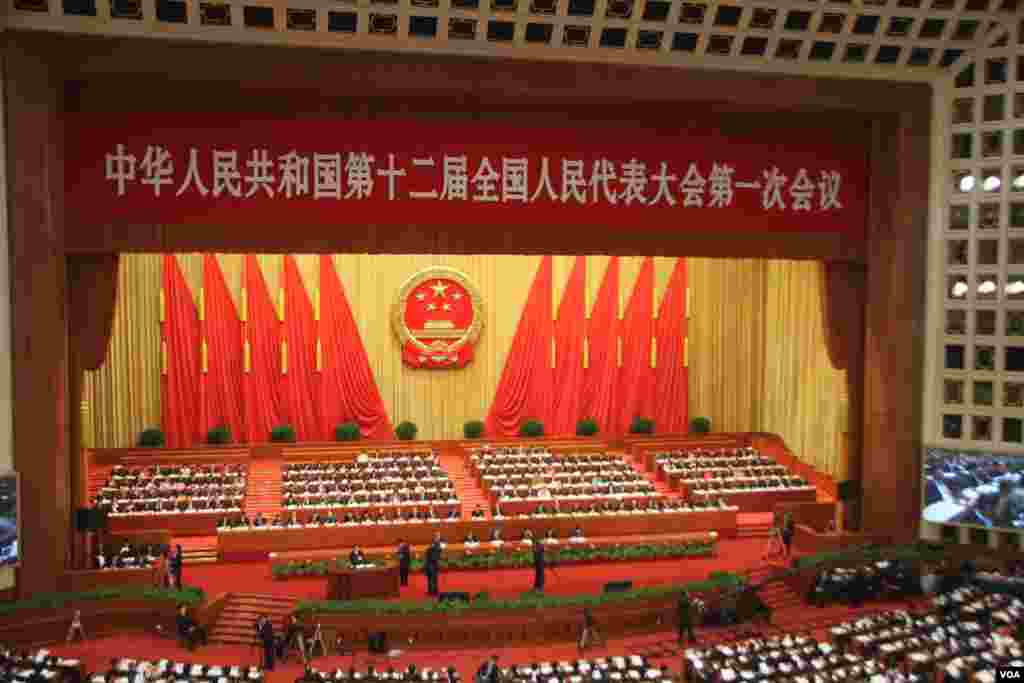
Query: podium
x=352, y=583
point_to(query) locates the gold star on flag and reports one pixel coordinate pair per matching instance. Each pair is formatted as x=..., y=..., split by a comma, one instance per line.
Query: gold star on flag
x=447, y=306
x=420, y=296
x=457, y=295
x=431, y=307
x=439, y=289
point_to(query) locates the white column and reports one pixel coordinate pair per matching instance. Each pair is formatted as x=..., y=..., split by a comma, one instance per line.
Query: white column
x=6, y=355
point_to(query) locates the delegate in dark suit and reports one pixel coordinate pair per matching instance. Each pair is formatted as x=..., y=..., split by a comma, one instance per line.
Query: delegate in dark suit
x=432, y=566
x=265, y=633
x=538, y=566
x=404, y=562
x=356, y=558
x=685, y=613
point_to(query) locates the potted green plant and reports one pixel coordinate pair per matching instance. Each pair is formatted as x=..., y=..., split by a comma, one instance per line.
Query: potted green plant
x=586, y=427
x=347, y=431
x=218, y=436
x=532, y=429
x=283, y=434
x=641, y=425
x=473, y=429
x=406, y=431
x=700, y=425
x=152, y=438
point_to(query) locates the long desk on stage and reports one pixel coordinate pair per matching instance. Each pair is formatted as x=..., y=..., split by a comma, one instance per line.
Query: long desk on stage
x=367, y=582
x=525, y=506
x=255, y=544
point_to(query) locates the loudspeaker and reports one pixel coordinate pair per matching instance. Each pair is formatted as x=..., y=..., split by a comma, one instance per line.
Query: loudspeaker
x=90, y=519
x=377, y=642
x=83, y=517
x=848, y=490
x=453, y=596
x=618, y=586
x=100, y=519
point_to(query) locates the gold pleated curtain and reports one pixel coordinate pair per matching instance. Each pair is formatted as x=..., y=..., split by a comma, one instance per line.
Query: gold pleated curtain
x=756, y=348
x=122, y=398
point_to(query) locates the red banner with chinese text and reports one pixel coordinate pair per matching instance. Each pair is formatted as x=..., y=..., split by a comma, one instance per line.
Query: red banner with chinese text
x=218, y=170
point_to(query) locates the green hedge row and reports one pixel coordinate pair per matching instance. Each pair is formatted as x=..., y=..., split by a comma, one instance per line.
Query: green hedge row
x=720, y=581
x=911, y=552
x=520, y=558
x=187, y=596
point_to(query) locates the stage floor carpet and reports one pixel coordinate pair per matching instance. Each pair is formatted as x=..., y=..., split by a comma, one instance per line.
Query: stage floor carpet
x=741, y=555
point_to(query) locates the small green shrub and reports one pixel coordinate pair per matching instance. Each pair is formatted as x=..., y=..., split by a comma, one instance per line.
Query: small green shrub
x=586, y=427
x=700, y=425
x=473, y=429
x=641, y=425
x=283, y=434
x=218, y=436
x=406, y=431
x=532, y=429
x=347, y=431
x=152, y=438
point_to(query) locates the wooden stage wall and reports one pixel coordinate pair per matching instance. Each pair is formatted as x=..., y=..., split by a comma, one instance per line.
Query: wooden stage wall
x=47, y=75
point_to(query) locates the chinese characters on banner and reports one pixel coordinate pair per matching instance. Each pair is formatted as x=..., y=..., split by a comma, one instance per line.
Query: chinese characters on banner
x=186, y=174
x=356, y=176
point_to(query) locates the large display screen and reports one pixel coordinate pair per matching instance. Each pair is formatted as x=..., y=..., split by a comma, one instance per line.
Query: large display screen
x=9, y=527
x=973, y=487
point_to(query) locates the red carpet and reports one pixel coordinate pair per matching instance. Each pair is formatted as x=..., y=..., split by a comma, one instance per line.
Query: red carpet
x=741, y=555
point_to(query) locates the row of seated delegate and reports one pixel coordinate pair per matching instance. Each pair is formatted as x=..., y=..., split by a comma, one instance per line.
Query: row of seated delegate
x=743, y=484
x=689, y=474
x=38, y=667
x=387, y=499
x=181, y=505
x=794, y=657
x=187, y=474
x=126, y=670
x=388, y=479
x=423, y=515
x=411, y=674
x=594, y=475
x=965, y=636
x=621, y=669
x=371, y=458
x=129, y=556
x=162, y=489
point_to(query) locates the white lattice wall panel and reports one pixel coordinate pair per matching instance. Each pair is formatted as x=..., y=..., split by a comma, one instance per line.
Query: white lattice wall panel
x=891, y=39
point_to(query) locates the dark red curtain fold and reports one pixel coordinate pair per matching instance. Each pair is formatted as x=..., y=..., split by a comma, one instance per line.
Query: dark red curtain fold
x=601, y=379
x=92, y=301
x=223, y=393
x=348, y=389
x=300, y=383
x=671, y=409
x=525, y=389
x=263, y=332
x=569, y=332
x=844, y=286
x=636, y=377
x=181, y=336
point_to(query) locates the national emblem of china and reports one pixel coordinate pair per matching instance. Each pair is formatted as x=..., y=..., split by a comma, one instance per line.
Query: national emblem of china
x=438, y=317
